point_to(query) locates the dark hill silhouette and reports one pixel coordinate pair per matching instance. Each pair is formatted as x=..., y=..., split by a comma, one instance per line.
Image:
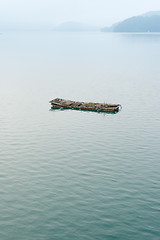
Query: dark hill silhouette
x=149, y=22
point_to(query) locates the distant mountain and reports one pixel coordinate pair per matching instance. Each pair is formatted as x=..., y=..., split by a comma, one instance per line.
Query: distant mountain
x=74, y=27
x=148, y=22
x=151, y=13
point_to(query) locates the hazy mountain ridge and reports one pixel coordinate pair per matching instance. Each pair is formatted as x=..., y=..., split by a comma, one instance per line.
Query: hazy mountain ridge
x=148, y=22
x=74, y=27
x=151, y=13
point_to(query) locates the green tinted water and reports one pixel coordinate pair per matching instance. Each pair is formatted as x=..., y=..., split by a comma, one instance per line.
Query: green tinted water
x=72, y=174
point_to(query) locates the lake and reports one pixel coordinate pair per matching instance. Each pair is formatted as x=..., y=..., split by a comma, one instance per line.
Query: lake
x=72, y=174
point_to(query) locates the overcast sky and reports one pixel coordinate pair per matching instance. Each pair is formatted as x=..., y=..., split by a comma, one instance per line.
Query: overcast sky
x=93, y=12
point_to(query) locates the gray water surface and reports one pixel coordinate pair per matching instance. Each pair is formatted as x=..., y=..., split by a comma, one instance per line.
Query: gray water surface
x=71, y=174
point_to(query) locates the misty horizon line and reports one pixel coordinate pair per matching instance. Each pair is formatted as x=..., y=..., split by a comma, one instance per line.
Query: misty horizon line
x=69, y=25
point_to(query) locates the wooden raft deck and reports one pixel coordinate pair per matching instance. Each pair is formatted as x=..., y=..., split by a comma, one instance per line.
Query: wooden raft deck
x=59, y=103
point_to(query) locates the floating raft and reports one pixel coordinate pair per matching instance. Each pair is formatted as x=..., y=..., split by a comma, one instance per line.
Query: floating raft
x=59, y=103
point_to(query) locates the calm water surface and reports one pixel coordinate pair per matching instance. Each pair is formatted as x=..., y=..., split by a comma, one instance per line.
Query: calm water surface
x=79, y=175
